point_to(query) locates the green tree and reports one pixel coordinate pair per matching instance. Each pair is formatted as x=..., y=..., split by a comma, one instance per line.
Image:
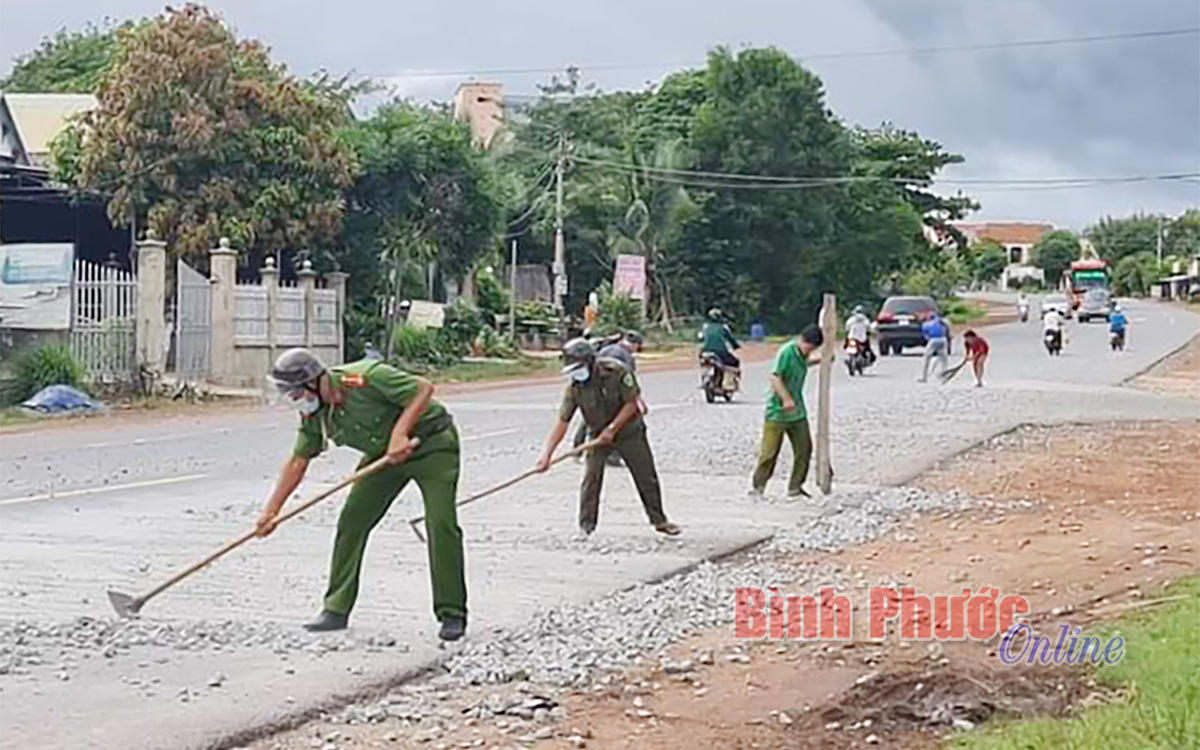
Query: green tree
x=209, y=137
x=72, y=62
x=1116, y=238
x=1133, y=274
x=1053, y=254
x=1182, y=235
x=990, y=259
x=425, y=195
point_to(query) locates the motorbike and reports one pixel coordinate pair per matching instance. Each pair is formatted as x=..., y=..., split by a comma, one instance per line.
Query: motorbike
x=1023, y=311
x=716, y=379
x=857, y=358
x=1053, y=340
x=1116, y=340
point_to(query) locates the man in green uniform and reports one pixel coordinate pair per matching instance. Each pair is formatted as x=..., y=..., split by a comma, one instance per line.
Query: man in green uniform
x=786, y=414
x=378, y=410
x=608, y=394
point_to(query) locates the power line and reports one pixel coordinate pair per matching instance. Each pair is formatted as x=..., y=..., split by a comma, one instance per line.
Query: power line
x=753, y=181
x=846, y=55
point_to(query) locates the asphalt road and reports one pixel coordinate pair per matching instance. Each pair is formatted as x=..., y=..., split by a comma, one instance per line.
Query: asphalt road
x=99, y=504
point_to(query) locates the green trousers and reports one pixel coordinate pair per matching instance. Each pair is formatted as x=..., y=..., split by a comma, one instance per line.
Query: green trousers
x=635, y=449
x=434, y=467
x=772, y=442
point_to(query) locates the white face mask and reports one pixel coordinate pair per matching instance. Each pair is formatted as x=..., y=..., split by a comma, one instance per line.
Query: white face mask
x=307, y=405
x=580, y=375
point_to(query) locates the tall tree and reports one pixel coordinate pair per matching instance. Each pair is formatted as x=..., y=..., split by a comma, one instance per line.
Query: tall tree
x=766, y=115
x=209, y=137
x=425, y=195
x=71, y=62
x=1115, y=238
x=1053, y=254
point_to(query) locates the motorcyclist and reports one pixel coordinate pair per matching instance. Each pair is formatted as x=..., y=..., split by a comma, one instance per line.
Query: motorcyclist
x=1023, y=306
x=1052, y=321
x=858, y=329
x=716, y=338
x=1117, y=322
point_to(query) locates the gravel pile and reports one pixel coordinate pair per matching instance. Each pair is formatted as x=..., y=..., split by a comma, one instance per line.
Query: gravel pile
x=25, y=645
x=582, y=646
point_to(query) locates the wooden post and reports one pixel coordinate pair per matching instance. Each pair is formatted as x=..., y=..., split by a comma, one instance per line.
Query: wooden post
x=828, y=323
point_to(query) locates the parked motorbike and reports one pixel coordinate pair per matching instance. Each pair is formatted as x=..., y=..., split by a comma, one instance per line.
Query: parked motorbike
x=857, y=358
x=716, y=379
x=1116, y=340
x=1053, y=340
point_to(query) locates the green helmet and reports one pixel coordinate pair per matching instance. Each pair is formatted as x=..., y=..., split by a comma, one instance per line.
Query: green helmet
x=635, y=337
x=577, y=353
x=296, y=368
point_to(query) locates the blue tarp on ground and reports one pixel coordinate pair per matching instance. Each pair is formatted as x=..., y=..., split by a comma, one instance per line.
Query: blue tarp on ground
x=57, y=399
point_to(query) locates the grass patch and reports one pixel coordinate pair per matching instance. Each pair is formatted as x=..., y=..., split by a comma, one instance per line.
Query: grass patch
x=961, y=311
x=1161, y=676
x=15, y=417
x=471, y=372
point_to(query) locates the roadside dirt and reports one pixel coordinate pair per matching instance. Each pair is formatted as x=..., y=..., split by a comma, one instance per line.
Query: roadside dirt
x=1177, y=375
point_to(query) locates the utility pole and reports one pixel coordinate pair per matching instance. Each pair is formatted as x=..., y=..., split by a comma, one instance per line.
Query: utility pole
x=512, y=293
x=828, y=323
x=1158, y=242
x=560, y=251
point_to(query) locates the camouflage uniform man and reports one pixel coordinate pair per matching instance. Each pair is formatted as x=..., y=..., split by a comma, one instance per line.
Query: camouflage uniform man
x=378, y=410
x=608, y=394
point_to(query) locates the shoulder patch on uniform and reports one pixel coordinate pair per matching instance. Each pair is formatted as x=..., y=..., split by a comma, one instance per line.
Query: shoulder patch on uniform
x=627, y=379
x=353, y=380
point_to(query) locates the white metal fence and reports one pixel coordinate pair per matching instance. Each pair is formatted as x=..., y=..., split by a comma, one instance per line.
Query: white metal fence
x=103, y=335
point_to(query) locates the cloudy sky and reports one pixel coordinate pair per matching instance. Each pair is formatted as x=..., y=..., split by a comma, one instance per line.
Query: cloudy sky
x=1103, y=109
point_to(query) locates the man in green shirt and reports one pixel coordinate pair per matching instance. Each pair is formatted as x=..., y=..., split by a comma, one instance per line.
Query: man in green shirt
x=377, y=410
x=608, y=396
x=786, y=414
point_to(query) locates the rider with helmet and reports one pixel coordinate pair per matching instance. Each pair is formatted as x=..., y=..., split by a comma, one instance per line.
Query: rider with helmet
x=858, y=329
x=716, y=338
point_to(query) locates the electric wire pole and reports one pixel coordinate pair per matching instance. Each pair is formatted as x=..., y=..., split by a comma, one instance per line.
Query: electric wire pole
x=559, y=270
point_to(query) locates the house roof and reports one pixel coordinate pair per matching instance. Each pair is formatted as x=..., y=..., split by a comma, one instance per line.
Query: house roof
x=41, y=117
x=1006, y=232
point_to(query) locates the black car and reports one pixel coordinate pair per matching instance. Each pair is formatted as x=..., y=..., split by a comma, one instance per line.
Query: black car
x=898, y=323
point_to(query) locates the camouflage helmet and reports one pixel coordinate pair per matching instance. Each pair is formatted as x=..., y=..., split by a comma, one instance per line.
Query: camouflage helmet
x=634, y=337
x=577, y=353
x=296, y=368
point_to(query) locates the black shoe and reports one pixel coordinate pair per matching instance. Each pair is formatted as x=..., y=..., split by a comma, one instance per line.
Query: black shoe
x=453, y=628
x=327, y=621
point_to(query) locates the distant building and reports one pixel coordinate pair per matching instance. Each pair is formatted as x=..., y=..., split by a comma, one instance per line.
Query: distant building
x=29, y=122
x=1017, y=238
x=481, y=105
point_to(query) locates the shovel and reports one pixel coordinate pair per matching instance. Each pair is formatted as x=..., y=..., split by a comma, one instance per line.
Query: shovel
x=506, y=484
x=127, y=605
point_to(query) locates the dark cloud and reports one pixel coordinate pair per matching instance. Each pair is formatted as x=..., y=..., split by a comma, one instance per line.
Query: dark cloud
x=1098, y=109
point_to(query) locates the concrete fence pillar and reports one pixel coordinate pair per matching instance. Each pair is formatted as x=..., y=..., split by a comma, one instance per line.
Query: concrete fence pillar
x=270, y=282
x=308, y=286
x=151, y=324
x=337, y=282
x=223, y=273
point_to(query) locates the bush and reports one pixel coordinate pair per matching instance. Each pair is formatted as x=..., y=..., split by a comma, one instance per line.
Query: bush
x=426, y=346
x=34, y=369
x=462, y=324
x=618, y=312
x=491, y=296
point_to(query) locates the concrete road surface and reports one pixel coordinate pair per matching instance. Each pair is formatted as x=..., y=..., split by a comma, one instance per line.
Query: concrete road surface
x=99, y=505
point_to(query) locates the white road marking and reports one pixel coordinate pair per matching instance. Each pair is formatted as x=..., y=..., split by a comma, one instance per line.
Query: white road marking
x=97, y=490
